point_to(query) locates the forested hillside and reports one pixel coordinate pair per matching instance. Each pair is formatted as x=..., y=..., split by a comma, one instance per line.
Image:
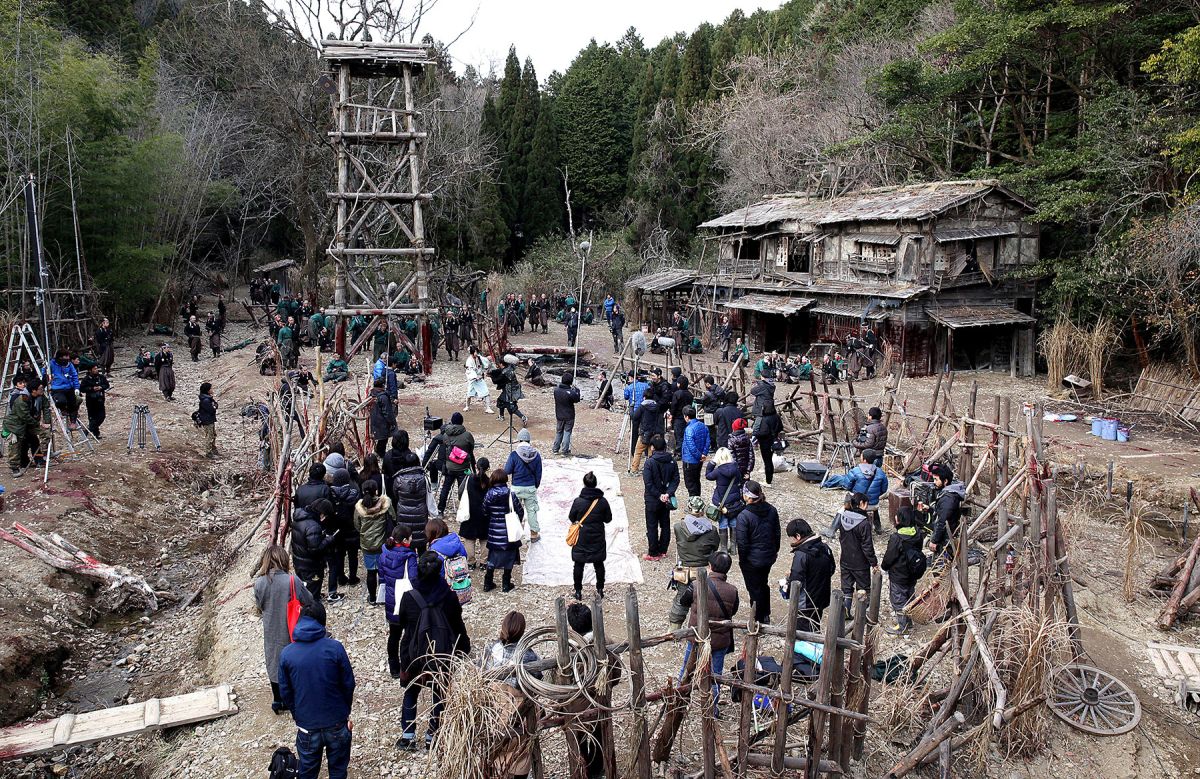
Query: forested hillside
x=198, y=132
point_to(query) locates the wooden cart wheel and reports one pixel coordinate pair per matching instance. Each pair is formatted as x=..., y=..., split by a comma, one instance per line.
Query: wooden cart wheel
x=1092, y=700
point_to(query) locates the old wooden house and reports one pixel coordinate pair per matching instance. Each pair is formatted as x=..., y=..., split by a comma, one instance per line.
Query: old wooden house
x=941, y=271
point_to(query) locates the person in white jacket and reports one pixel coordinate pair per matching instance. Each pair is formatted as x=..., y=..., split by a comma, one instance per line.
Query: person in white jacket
x=477, y=366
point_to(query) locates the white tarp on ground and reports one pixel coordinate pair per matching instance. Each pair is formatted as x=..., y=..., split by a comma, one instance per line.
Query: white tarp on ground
x=549, y=560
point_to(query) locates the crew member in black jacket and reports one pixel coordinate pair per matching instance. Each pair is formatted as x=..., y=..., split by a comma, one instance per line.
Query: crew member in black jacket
x=661, y=478
x=311, y=543
x=758, y=535
x=812, y=566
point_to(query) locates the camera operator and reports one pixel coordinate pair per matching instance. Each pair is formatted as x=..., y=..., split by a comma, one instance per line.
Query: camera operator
x=873, y=436
x=947, y=507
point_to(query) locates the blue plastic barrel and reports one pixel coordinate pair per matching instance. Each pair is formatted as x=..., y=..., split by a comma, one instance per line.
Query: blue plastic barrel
x=1108, y=431
x=1097, y=425
x=1122, y=434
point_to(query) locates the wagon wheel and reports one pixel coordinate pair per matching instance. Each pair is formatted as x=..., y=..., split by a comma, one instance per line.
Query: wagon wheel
x=1092, y=700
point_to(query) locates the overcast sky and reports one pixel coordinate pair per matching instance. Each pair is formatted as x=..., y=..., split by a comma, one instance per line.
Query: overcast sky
x=553, y=31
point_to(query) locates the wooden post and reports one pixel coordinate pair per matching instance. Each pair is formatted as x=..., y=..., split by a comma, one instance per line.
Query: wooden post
x=708, y=727
x=637, y=680
x=785, y=681
x=816, y=718
x=1004, y=409
x=1051, y=544
x=576, y=765
x=964, y=457
x=1109, y=482
x=868, y=661
x=842, y=737
x=747, y=710
x=1037, y=553
x=603, y=691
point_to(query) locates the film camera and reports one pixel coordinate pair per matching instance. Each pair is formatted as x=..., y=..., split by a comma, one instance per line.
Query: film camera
x=662, y=342
x=431, y=424
x=922, y=492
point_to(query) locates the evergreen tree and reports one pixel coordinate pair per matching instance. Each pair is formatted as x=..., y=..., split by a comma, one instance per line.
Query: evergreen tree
x=544, y=210
x=695, y=77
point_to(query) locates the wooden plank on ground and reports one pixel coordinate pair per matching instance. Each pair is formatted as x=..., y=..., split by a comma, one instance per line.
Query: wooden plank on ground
x=72, y=730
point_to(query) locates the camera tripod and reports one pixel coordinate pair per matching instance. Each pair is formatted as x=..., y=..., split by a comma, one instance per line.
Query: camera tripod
x=142, y=422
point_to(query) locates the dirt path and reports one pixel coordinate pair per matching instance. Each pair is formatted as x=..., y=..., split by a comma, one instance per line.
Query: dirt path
x=144, y=506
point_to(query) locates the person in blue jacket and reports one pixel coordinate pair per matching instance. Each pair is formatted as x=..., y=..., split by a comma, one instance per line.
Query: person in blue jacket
x=316, y=684
x=64, y=381
x=635, y=392
x=696, y=445
x=867, y=478
x=397, y=561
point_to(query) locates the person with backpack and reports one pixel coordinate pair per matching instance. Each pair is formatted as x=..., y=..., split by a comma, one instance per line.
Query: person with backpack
x=374, y=519
x=432, y=631
x=454, y=557
x=768, y=427
x=812, y=567
x=313, y=536
x=727, y=495
x=412, y=499
x=502, y=553
x=947, y=509
x=696, y=538
x=591, y=512
x=905, y=564
x=742, y=447
x=275, y=589
x=455, y=447
x=722, y=603
x=397, y=564
x=343, y=563
x=868, y=479
x=858, y=551
x=316, y=684
x=726, y=416
x=524, y=465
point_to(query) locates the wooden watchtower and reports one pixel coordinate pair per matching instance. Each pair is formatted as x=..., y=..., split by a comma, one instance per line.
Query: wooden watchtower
x=379, y=247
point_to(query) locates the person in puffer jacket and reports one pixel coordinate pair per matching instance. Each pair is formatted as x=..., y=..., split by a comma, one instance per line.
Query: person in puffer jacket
x=374, y=521
x=502, y=553
x=312, y=537
x=314, y=489
x=397, y=561
x=858, y=551
x=867, y=478
x=64, y=381
x=903, y=549
x=412, y=508
x=727, y=494
x=947, y=509
x=742, y=447
x=452, y=436
x=758, y=536
x=696, y=445
x=343, y=563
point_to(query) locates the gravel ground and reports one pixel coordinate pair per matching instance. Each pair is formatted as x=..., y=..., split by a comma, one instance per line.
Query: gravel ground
x=152, y=523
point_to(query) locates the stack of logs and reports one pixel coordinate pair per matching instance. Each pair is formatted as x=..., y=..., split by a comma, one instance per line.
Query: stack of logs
x=1182, y=579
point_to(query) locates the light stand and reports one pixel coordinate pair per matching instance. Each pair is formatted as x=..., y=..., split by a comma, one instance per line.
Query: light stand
x=585, y=248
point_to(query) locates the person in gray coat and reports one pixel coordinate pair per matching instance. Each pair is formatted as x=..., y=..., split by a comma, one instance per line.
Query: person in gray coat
x=273, y=588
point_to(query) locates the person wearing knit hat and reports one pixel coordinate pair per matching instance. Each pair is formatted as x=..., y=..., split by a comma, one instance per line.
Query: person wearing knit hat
x=696, y=539
x=742, y=447
x=524, y=465
x=758, y=536
x=454, y=446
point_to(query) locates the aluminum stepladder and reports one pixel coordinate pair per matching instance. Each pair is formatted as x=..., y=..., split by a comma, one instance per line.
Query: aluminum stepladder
x=23, y=342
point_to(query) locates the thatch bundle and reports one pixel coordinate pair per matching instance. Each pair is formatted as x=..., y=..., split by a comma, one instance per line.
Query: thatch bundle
x=1070, y=349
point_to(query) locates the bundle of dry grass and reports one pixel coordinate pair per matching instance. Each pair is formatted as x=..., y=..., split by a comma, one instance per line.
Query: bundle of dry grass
x=479, y=724
x=1026, y=646
x=1099, y=343
x=1055, y=344
x=930, y=603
